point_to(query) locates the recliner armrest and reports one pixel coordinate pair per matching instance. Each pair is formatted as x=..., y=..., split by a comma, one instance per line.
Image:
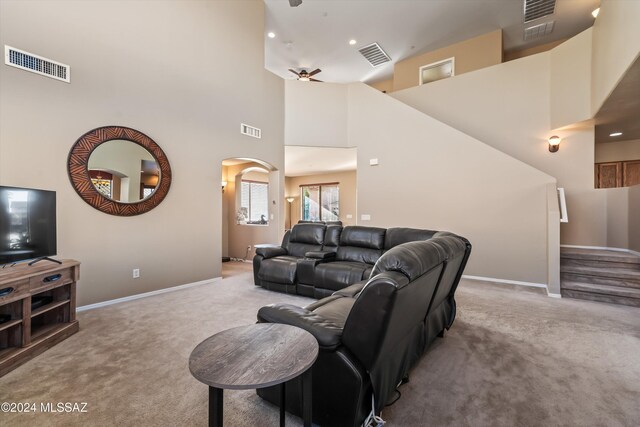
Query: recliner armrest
x=328, y=334
x=351, y=290
x=270, y=252
x=323, y=255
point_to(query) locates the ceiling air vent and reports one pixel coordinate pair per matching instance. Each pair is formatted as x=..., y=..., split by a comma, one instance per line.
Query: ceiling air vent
x=374, y=54
x=250, y=131
x=36, y=64
x=538, y=31
x=535, y=9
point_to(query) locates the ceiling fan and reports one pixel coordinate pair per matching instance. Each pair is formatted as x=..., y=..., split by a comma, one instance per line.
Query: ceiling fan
x=305, y=76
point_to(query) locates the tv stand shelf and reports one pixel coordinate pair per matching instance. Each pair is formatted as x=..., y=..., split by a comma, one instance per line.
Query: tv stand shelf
x=29, y=332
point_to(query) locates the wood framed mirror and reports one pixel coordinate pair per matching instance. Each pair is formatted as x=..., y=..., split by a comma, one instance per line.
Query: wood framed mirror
x=119, y=171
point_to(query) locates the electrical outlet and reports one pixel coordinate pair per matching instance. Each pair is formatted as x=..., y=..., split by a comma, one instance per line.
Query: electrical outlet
x=136, y=273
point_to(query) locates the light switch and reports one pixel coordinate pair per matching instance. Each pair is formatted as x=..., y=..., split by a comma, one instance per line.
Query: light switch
x=349, y=216
x=373, y=162
x=365, y=217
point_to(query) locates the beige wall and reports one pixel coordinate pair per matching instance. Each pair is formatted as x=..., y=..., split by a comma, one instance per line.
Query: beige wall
x=616, y=44
x=124, y=72
x=433, y=176
x=472, y=54
x=516, y=54
x=508, y=106
x=618, y=215
x=634, y=218
x=618, y=151
x=224, y=219
x=315, y=105
x=570, y=81
x=383, y=86
x=347, y=190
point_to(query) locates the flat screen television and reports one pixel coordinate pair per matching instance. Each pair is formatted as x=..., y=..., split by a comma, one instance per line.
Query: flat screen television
x=27, y=224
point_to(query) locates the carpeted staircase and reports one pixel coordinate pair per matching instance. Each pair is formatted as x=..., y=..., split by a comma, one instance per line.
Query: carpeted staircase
x=600, y=275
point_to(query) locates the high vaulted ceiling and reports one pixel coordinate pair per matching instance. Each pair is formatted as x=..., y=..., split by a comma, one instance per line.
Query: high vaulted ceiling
x=316, y=34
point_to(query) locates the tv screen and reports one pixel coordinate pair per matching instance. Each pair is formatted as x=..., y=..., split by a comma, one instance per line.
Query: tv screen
x=27, y=224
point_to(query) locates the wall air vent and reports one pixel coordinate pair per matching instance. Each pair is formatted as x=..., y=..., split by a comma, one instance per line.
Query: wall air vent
x=538, y=31
x=374, y=54
x=536, y=9
x=36, y=64
x=250, y=131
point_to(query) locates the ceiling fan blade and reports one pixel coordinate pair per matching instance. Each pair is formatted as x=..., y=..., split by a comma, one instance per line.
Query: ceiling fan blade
x=315, y=80
x=295, y=3
x=314, y=72
x=294, y=72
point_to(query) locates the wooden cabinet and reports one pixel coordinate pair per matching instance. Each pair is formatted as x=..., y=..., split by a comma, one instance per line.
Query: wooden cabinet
x=37, y=309
x=617, y=174
x=630, y=173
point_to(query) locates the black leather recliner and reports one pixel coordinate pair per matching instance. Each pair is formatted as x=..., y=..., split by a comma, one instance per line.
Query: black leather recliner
x=372, y=333
x=275, y=268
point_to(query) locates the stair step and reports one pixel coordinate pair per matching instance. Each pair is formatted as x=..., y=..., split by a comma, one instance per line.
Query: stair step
x=599, y=255
x=583, y=262
x=590, y=296
x=601, y=289
x=604, y=276
x=599, y=280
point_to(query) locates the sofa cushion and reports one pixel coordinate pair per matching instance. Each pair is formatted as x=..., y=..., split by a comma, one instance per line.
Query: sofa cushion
x=339, y=274
x=334, y=308
x=398, y=235
x=281, y=269
x=361, y=244
x=412, y=259
x=326, y=332
x=305, y=238
x=352, y=290
x=332, y=237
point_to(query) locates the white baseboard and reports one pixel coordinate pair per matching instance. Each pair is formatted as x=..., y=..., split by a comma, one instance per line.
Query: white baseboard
x=146, y=294
x=513, y=282
x=503, y=281
x=602, y=248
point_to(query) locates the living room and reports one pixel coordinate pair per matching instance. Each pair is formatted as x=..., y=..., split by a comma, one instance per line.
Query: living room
x=468, y=154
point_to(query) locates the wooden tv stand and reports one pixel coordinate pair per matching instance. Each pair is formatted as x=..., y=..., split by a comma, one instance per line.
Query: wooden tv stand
x=29, y=331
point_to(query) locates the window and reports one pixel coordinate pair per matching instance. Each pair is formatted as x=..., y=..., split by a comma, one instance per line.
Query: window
x=254, y=202
x=437, y=71
x=320, y=202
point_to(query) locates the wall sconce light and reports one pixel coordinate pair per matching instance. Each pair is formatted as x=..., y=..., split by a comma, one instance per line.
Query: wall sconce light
x=290, y=199
x=224, y=184
x=554, y=143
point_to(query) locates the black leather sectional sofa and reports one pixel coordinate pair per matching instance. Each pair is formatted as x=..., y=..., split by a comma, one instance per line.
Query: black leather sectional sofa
x=372, y=332
x=317, y=260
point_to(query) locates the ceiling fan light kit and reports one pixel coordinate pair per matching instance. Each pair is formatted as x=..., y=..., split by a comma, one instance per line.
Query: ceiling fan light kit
x=305, y=76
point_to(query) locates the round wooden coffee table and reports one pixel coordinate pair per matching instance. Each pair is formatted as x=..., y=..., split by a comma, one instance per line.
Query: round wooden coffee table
x=255, y=356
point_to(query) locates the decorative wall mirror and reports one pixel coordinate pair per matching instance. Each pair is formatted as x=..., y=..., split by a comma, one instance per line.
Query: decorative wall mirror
x=119, y=170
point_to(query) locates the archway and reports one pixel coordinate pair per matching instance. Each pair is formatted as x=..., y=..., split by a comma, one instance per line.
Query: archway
x=251, y=206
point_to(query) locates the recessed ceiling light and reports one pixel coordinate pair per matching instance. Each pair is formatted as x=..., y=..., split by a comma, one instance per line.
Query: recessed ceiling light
x=615, y=134
x=352, y=42
x=272, y=35
x=595, y=13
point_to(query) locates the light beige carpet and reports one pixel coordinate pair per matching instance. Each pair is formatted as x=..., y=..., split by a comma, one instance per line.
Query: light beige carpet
x=512, y=358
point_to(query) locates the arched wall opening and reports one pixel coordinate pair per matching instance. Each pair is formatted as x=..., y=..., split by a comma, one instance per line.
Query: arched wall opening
x=250, y=206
